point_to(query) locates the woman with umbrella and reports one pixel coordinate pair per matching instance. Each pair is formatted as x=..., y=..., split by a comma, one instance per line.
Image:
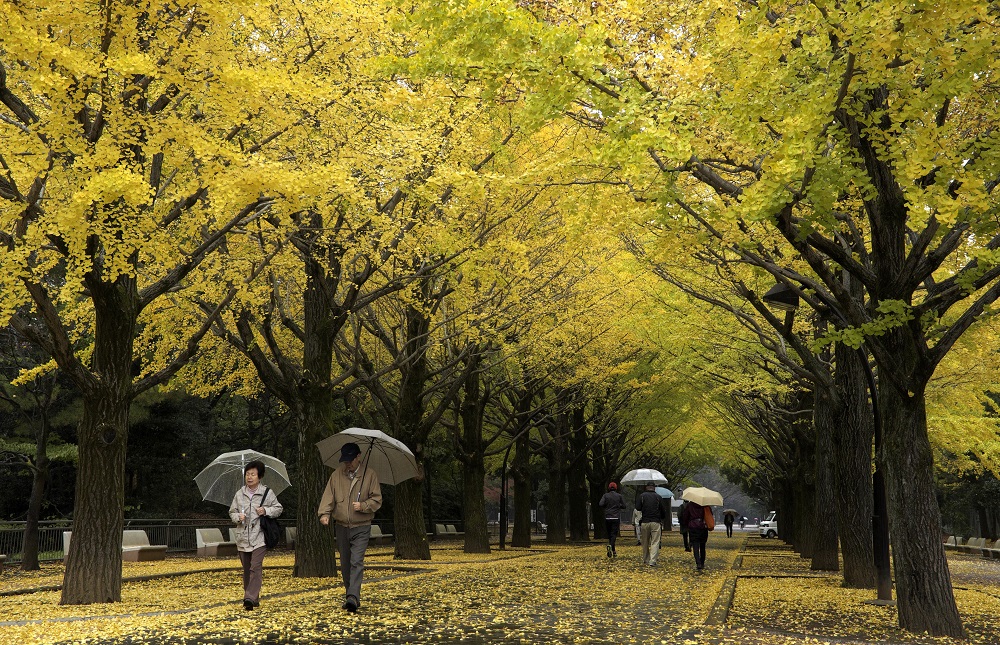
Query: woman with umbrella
x=250, y=503
x=698, y=517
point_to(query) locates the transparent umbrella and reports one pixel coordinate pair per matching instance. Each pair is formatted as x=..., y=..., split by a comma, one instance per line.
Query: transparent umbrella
x=644, y=476
x=219, y=481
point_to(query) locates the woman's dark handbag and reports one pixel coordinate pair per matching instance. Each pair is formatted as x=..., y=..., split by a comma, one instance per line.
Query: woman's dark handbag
x=269, y=527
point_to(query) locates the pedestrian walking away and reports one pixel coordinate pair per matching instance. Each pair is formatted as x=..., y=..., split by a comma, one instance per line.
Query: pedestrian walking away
x=653, y=513
x=250, y=503
x=351, y=497
x=636, y=517
x=613, y=504
x=693, y=516
x=728, y=519
x=683, y=525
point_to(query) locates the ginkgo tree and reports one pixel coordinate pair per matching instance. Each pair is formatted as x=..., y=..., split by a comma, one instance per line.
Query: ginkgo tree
x=133, y=146
x=861, y=134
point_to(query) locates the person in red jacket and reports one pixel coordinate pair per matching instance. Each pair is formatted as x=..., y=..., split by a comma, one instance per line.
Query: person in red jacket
x=693, y=516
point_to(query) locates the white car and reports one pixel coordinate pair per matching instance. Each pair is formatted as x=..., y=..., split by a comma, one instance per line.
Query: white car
x=769, y=526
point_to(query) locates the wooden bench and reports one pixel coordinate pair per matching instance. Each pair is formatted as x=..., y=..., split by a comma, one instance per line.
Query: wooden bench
x=378, y=537
x=135, y=547
x=210, y=544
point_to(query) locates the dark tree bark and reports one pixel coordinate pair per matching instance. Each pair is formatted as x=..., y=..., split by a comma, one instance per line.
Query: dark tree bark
x=852, y=439
x=595, y=492
x=576, y=479
x=824, y=518
x=521, y=473
x=471, y=454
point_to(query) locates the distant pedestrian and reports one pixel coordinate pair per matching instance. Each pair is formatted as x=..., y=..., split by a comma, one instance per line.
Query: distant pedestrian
x=653, y=513
x=249, y=503
x=636, y=517
x=743, y=522
x=728, y=520
x=351, y=497
x=613, y=504
x=694, y=517
x=683, y=525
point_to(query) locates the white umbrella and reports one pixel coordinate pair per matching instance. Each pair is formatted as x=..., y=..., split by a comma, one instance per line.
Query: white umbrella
x=702, y=496
x=644, y=476
x=219, y=481
x=388, y=457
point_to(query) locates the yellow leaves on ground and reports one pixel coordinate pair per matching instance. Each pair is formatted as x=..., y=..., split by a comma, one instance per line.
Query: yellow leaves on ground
x=571, y=594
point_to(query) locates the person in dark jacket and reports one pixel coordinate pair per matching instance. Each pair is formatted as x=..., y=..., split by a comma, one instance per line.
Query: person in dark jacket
x=613, y=504
x=654, y=514
x=694, y=517
x=683, y=525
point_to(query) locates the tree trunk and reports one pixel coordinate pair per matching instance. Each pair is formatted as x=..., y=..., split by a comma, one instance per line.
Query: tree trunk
x=556, y=507
x=576, y=479
x=40, y=475
x=408, y=519
x=315, y=544
x=852, y=466
x=94, y=563
x=471, y=449
x=521, y=473
x=597, y=513
x=824, y=556
x=924, y=595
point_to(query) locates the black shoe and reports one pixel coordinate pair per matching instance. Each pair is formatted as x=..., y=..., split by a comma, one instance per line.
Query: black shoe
x=248, y=605
x=614, y=554
x=351, y=605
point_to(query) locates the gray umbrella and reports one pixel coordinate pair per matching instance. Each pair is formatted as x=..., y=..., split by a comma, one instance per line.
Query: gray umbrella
x=219, y=481
x=388, y=457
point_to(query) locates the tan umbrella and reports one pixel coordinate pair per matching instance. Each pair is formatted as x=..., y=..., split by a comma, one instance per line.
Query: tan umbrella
x=702, y=496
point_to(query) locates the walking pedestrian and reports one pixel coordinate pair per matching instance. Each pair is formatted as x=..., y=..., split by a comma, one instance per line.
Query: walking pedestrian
x=694, y=516
x=683, y=525
x=351, y=497
x=636, y=517
x=743, y=522
x=250, y=503
x=613, y=504
x=653, y=514
x=728, y=520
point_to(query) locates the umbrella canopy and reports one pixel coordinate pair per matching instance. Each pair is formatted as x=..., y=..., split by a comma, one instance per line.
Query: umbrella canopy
x=219, y=481
x=730, y=511
x=702, y=496
x=388, y=457
x=664, y=492
x=644, y=476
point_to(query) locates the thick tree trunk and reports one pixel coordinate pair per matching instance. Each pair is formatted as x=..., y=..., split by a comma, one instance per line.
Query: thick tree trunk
x=408, y=522
x=824, y=556
x=521, y=473
x=576, y=479
x=852, y=440
x=924, y=595
x=555, y=513
x=94, y=563
x=315, y=545
x=471, y=449
x=477, y=538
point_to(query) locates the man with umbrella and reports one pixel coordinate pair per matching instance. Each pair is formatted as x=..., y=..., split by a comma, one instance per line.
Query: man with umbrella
x=351, y=498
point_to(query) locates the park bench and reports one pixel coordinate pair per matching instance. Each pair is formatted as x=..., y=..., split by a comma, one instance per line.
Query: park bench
x=379, y=537
x=135, y=547
x=974, y=545
x=290, y=537
x=992, y=550
x=954, y=543
x=211, y=544
x=450, y=530
x=3, y=559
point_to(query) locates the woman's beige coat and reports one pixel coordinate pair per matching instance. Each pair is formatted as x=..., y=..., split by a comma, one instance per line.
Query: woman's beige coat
x=248, y=533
